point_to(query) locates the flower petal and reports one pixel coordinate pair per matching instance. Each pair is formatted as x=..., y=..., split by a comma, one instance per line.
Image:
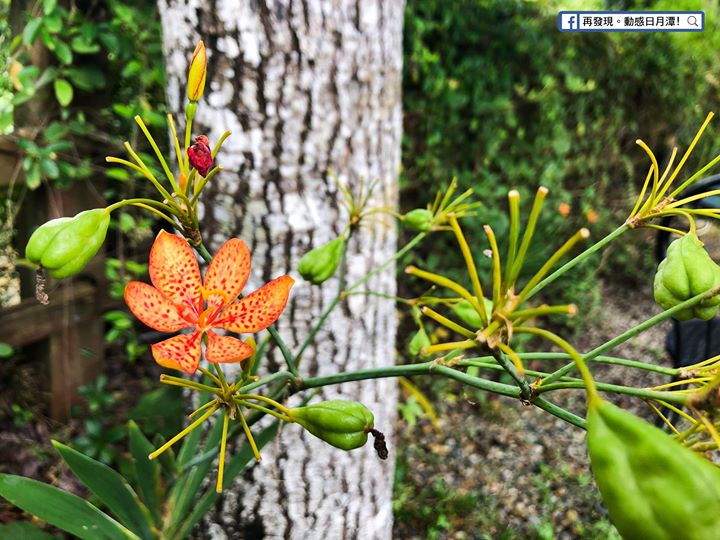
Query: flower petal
x=226, y=349
x=228, y=272
x=180, y=352
x=175, y=272
x=152, y=308
x=257, y=310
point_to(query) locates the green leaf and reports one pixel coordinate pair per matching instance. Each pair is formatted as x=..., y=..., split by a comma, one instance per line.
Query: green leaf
x=62, y=509
x=147, y=471
x=63, y=92
x=83, y=45
x=111, y=488
x=49, y=168
x=24, y=530
x=86, y=77
x=6, y=351
x=233, y=468
x=33, y=176
x=53, y=23
x=63, y=52
x=117, y=173
x=49, y=5
x=54, y=131
x=31, y=31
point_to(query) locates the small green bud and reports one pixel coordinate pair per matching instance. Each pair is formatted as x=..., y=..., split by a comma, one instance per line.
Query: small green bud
x=687, y=271
x=420, y=219
x=64, y=246
x=343, y=424
x=419, y=341
x=319, y=264
x=467, y=314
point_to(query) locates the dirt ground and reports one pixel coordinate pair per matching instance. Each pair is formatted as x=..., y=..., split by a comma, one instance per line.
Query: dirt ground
x=501, y=470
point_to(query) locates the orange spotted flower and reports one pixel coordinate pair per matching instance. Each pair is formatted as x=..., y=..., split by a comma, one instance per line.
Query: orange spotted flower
x=180, y=299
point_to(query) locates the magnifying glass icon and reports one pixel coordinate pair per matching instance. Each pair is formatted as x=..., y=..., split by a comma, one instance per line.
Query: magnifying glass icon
x=692, y=21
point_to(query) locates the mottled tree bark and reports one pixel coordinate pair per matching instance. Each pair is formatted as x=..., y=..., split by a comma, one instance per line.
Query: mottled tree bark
x=305, y=86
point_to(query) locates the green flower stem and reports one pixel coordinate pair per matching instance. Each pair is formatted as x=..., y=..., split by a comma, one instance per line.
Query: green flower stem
x=221, y=377
x=204, y=253
x=622, y=338
x=149, y=175
x=264, y=399
x=580, y=258
x=158, y=153
x=561, y=413
x=210, y=375
x=408, y=370
x=184, y=432
x=290, y=360
x=156, y=212
x=220, y=142
x=249, y=436
x=265, y=410
x=199, y=187
x=644, y=393
x=540, y=195
x=563, y=356
x=148, y=202
x=507, y=365
x=267, y=380
x=176, y=142
x=189, y=116
x=177, y=381
x=513, y=236
x=321, y=321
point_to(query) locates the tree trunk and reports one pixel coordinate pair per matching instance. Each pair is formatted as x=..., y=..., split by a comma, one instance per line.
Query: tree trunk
x=305, y=86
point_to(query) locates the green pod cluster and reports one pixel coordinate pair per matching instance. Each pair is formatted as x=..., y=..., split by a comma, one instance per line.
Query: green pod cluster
x=319, y=264
x=687, y=271
x=419, y=219
x=343, y=424
x=64, y=246
x=652, y=486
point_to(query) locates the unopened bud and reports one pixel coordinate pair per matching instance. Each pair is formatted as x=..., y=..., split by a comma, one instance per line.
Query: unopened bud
x=319, y=264
x=420, y=219
x=197, y=73
x=200, y=156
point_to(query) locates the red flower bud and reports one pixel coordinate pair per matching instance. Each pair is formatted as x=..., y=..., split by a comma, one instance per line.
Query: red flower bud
x=200, y=156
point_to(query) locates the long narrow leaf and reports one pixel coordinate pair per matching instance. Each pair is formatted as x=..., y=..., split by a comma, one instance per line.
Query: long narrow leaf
x=62, y=509
x=185, y=491
x=235, y=466
x=147, y=471
x=111, y=488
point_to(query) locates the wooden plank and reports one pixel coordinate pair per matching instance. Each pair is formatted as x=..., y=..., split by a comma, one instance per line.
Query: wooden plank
x=30, y=321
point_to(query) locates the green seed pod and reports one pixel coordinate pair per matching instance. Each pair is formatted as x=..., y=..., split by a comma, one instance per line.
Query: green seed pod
x=343, y=424
x=319, y=264
x=65, y=246
x=467, y=314
x=652, y=486
x=687, y=271
x=419, y=219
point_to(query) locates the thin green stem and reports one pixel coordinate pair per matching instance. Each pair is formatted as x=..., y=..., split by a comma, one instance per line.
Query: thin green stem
x=250, y=437
x=469, y=263
x=265, y=410
x=677, y=399
x=632, y=332
x=177, y=381
x=158, y=153
x=176, y=143
x=527, y=235
x=221, y=462
x=514, y=234
x=221, y=377
x=210, y=375
x=497, y=272
x=447, y=323
x=559, y=412
x=264, y=399
x=578, y=259
x=267, y=380
x=333, y=304
x=184, y=432
x=199, y=187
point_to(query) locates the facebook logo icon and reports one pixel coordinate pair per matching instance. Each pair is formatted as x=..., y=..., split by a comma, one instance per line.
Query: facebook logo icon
x=569, y=21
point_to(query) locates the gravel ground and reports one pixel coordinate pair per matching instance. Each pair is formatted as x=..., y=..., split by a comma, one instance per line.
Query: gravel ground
x=502, y=470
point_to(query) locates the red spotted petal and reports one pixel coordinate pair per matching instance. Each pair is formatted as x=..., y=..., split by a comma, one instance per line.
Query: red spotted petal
x=175, y=272
x=226, y=349
x=257, y=310
x=228, y=272
x=152, y=308
x=180, y=352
